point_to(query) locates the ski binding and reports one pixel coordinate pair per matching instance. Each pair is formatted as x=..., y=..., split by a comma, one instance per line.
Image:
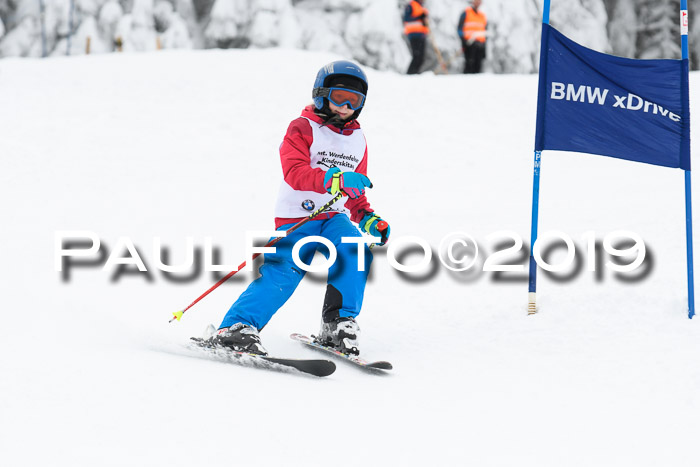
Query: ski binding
x=380, y=365
x=308, y=366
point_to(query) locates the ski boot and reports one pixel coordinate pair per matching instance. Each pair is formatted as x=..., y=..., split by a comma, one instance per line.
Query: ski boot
x=240, y=338
x=341, y=334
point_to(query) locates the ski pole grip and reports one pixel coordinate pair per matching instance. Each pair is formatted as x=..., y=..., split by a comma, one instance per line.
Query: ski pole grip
x=382, y=227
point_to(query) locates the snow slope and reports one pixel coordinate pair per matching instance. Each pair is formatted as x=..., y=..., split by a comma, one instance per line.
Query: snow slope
x=178, y=144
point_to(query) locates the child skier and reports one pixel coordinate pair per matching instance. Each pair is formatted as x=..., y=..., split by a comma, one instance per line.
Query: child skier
x=323, y=152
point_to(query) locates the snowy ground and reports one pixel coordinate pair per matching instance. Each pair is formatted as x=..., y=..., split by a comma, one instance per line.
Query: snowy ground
x=181, y=144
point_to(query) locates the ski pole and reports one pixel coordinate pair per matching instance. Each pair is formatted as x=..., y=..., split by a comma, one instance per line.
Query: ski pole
x=178, y=314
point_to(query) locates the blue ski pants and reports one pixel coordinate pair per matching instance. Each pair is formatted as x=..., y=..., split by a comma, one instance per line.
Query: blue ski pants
x=280, y=276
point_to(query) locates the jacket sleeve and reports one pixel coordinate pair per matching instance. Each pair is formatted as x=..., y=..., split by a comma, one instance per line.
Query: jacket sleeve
x=296, y=160
x=359, y=206
x=460, y=25
x=408, y=13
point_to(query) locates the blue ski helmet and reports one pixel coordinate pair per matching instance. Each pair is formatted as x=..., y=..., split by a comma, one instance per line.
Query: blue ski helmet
x=341, y=73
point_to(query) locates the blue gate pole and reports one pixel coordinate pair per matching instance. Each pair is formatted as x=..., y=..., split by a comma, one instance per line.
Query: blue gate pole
x=689, y=241
x=688, y=198
x=532, y=283
x=541, y=96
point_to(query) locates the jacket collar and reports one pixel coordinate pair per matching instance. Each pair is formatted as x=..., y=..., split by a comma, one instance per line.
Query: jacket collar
x=349, y=127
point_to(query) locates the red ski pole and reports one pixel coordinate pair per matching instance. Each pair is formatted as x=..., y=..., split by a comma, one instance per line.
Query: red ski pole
x=325, y=207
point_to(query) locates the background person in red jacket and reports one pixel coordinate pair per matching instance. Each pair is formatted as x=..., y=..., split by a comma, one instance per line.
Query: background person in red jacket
x=472, y=30
x=323, y=152
x=415, y=26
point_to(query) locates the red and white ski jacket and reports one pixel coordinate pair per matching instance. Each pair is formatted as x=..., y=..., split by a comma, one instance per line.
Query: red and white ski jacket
x=309, y=149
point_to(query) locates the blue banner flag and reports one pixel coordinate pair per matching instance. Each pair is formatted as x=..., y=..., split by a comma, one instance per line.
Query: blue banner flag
x=596, y=103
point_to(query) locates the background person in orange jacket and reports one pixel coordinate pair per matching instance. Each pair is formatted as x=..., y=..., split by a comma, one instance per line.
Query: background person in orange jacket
x=472, y=31
x=415, y=26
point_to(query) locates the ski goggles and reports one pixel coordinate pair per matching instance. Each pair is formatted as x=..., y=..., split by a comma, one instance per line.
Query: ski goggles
x=341, y=96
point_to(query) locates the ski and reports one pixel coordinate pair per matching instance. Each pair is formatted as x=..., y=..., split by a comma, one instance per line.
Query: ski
x=311, y=367
x=380, y=365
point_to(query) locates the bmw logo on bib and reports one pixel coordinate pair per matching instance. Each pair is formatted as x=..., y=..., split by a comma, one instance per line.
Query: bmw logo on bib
x=308, y=205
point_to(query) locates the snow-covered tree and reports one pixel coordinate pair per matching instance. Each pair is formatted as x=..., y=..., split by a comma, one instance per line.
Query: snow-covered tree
x=19, y=41
x=177, y=35
x=267, y=17
x=584, y=21
x=186, y=10
x=374, y=37
x=88, y=29
x=171, y=27
x=7, y=13
x=322, y=30
x=89, y=7
x=348, y=6
x=162, y=15
x=23, y=37
x=137, y=29
x=228, y=24
x=6, y=6
x=659, y=29
x=514, y=35
x=622, y=27
x=289, y=29
x=108, y=19
x=203, y=9
x=694, y=35
x=369, y=31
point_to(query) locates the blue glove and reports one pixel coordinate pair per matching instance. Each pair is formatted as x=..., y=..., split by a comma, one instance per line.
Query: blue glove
x=353, y=184
x=375, y=226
